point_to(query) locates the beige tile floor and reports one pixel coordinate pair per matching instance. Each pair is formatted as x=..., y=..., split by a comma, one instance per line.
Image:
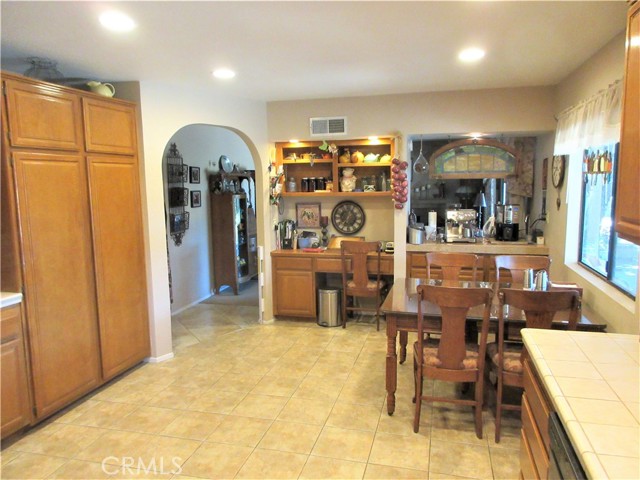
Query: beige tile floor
x=242, y=400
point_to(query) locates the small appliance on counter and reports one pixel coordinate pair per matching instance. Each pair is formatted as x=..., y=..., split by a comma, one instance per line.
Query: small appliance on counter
x=508, y=222
x=460, y=225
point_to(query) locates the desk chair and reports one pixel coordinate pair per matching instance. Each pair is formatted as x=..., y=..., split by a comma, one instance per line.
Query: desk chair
x=451, y=265
x=355, y=277
x=517, y=264
x=450, y=358
x=539, y=308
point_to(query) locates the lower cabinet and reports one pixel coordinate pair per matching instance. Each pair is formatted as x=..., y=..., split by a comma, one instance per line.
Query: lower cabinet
x=16, y=405
x=534, y=446
x=293, y=287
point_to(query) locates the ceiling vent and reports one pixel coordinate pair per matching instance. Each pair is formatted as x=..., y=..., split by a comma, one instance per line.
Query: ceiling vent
x=321, y=126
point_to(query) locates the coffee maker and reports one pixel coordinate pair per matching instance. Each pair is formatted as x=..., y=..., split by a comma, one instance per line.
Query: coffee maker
x=460, y=225
x=508, y=222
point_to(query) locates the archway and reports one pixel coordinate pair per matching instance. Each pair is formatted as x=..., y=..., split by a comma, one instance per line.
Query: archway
x=191, y=262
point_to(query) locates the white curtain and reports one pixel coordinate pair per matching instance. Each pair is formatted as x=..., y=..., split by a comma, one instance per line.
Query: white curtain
x=592, y=122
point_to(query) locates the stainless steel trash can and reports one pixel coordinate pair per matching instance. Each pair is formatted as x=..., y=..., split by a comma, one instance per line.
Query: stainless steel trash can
x=329, y=307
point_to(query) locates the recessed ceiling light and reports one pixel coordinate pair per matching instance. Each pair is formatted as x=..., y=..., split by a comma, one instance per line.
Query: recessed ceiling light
x=117, y=21
x=224, y=73
x=471, y=54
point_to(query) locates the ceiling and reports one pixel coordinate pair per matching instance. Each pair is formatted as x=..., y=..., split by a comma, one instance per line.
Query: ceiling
x=301, y=50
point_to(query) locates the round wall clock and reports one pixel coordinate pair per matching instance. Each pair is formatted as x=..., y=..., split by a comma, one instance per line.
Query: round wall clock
x=347, y=217
x=557, y=170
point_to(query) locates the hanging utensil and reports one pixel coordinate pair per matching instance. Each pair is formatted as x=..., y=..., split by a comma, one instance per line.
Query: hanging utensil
x=421, y=165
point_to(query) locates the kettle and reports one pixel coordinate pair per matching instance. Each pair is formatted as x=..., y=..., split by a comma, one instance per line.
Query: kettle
x=104, y=89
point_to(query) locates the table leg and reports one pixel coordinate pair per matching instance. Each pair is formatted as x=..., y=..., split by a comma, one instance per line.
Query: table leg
x=392, y=365
x=403, y=345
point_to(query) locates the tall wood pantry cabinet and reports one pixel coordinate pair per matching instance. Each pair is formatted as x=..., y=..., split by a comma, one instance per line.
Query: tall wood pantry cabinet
x=72, y=163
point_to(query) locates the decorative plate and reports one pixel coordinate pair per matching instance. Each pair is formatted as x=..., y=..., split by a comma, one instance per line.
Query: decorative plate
x=226, y=165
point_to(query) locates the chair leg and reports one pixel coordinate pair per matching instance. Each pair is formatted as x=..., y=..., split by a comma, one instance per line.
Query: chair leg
x=344, y=311
x=498, y=408
x=416, y=418
x=478, y=407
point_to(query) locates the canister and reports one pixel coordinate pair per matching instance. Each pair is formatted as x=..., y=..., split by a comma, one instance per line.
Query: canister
x=320, y=183
x=291, y=184
x=312, y=184
x=304, y=184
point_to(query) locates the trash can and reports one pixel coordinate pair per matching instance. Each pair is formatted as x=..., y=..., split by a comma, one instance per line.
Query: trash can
x=329, y=307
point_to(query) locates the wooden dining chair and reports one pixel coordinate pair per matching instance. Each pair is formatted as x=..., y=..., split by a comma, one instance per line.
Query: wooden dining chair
x=539, y=309
x=355, y=277
x=450, y=358
x=453, y=266
x=517, y=264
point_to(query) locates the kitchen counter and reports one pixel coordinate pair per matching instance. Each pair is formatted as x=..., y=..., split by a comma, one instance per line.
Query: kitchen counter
x=493, y=248
x=8, y=298
x=593, y=380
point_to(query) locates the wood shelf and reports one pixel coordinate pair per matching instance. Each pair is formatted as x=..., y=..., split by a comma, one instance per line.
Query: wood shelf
x=336, y=194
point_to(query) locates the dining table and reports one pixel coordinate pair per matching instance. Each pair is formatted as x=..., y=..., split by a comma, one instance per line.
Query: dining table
x=400, y=309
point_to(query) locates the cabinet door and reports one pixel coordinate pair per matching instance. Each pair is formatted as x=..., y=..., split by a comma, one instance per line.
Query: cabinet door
x=59, y=276
x=294, y=293
x=110, y=127
x=224, y=241
x=120, y=261
x=41, y=116
x=16, y=407
x=627, y=204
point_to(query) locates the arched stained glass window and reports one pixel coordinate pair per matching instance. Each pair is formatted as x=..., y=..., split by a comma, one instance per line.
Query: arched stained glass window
x=474, y=158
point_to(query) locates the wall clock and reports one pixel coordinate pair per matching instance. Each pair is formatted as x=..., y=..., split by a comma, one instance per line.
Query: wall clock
x=557, y=174
x=347, y=217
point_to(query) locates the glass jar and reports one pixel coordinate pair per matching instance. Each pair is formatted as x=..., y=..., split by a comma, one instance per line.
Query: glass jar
x=291, y=185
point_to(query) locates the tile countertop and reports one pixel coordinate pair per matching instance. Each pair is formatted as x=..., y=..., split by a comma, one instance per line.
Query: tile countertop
x=593, y=380
x=7, y=299
x=493, y=248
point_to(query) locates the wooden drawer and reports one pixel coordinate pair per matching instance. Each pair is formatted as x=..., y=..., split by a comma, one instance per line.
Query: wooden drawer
x=290, y=263
x=527, y=466
x=537, y=448
x=328, y=265
x=538, y=402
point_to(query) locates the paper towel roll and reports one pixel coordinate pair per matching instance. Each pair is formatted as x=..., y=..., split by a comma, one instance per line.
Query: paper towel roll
x=433, y=219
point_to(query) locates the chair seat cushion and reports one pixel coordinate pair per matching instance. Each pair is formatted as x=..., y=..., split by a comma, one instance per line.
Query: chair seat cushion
x=371, y=284
x=430, y=352
x=511, y=360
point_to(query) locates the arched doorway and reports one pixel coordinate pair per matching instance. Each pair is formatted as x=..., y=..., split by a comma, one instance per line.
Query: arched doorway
x=191, y=262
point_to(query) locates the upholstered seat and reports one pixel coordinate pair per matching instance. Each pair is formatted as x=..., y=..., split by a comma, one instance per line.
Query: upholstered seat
x=511, y=361
x=430, y=355
x=371, y=284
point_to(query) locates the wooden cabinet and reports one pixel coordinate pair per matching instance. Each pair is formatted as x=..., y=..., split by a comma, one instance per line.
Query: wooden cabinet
x=296, y=167
x=59, y=276
x=233, y=244
x=294, y=289
x=72, y=158
x=16, y=403
x=536, y=408
x=119, y=261
x=627, y=218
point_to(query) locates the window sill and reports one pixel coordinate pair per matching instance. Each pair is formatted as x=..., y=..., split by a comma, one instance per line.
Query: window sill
x=613, y=293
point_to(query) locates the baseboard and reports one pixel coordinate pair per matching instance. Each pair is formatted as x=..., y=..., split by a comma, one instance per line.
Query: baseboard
x=182, y=309
x=161, y=358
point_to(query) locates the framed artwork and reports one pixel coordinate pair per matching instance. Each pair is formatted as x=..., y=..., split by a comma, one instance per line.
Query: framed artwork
x=196, y=200
x=194, y=174
x=308, y=215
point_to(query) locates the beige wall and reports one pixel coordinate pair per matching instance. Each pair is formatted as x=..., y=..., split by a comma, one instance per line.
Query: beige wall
x=508, y=111
x=601, y=301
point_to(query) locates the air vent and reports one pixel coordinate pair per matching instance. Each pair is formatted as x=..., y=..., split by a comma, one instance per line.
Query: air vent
x=320, y=126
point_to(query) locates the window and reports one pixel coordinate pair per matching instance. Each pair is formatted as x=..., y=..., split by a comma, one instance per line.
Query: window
x=613, y=258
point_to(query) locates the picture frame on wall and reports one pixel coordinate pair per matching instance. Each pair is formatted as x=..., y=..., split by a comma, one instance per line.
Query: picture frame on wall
x=308, y=215
x=196, y=198
x=194, y=174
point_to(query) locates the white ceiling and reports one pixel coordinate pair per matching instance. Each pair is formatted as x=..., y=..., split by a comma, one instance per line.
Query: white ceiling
x=299, y=50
